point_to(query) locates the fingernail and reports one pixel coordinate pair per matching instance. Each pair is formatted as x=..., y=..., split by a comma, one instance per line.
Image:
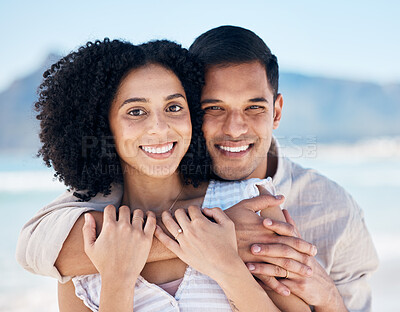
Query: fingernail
x=314, y=250
x=268, y=221
x=309, y=272
x=278, y=197
x=86, y=217
x=251, y=267
x=256, y=248
x=286, y=292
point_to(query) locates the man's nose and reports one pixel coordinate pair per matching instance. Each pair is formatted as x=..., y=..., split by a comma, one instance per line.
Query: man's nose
x=235, y=124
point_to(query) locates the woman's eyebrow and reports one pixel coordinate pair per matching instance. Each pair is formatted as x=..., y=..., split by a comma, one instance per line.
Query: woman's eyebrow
x=133, y=100
x=144, y=100
x=174, y=96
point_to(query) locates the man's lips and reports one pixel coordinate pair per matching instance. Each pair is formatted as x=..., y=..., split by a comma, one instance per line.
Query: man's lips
x=234, y=148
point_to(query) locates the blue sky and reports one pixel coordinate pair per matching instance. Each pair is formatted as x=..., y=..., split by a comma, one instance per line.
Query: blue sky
x=344, y=39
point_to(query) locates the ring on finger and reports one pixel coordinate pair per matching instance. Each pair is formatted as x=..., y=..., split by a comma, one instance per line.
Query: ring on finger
x=177, y=234
x=287, y=274
x=138, y=218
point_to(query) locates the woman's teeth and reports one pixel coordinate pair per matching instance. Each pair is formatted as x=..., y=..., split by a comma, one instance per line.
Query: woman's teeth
x=158, y=150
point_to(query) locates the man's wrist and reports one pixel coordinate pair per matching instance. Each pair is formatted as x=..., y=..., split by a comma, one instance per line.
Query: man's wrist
x=334, y=303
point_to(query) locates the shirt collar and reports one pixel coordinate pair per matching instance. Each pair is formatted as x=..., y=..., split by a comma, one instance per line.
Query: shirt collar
x=283, y=175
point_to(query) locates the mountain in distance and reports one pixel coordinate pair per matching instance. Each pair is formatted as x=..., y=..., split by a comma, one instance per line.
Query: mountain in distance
x=325, y=109
x=18, y=125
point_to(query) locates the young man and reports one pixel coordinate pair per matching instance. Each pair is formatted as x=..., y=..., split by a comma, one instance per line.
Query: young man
x=242, y=106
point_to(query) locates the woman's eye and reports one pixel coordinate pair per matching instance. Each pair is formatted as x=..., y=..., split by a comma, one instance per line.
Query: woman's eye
x=174, y=108
x=136, y=112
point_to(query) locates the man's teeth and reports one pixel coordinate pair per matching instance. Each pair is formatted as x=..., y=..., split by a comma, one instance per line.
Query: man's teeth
x=236, y=149
x=158, y=150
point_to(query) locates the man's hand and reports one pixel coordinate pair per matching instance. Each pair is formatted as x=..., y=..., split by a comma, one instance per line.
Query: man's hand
x=256, y=245
x=318, y=290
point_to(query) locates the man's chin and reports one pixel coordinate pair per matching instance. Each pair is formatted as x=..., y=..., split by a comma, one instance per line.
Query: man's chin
x=231, y=173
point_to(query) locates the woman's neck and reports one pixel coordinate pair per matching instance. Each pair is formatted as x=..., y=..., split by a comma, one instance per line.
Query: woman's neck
x=148, y=193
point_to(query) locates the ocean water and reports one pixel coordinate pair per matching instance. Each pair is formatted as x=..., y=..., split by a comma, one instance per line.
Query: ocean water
x=373, y=178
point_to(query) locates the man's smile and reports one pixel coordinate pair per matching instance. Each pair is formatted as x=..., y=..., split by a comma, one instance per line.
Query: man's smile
x=234, y=149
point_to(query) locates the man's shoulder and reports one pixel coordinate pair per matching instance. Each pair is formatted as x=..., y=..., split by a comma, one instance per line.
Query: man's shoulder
x=311, y=188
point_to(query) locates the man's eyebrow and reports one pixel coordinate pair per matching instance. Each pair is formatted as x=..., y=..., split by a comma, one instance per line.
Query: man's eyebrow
x=258, y=99
x=210, y=101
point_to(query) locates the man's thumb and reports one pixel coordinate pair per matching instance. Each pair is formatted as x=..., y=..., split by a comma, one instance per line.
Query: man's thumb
x=89, y=232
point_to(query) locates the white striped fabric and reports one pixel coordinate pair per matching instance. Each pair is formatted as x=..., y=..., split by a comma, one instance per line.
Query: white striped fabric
x=197, y=292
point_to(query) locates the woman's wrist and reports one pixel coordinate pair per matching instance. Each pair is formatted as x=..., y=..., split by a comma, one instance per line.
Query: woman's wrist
x=229, y=272
x=117, y=281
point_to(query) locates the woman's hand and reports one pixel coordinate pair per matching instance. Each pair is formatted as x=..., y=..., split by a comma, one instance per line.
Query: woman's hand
x=122, y=248
x=203, y=244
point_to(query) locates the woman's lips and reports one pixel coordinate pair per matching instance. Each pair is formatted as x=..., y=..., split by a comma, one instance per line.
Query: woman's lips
x=159, y=150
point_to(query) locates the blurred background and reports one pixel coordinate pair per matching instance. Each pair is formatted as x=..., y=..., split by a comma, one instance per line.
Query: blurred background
x=340, y=78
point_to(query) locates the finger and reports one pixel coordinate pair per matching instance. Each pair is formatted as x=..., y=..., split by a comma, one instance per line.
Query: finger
x=289, y=220
x=195, y=212
x=182, y=218
x=89, y=232
x=109, y=214
x=217, y=214
x=261, y=202
x=150, y=225
x=300, y=267
x=137, y=219
x=170, y=224
x=168, y=242
x=280, y=227
x=267, y=269
x=288, y=236
x=274, y=284
x=124, y=214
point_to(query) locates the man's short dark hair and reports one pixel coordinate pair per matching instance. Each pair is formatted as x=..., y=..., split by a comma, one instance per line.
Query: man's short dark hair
x=227, y=45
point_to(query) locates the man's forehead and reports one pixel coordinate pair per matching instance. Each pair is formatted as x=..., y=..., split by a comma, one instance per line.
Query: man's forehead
x=236, y=80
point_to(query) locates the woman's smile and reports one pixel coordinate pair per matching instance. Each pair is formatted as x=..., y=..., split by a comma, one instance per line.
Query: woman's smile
x=159, y=151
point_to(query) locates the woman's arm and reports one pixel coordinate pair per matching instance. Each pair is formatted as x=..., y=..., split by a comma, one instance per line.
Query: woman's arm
x=119, y=254
x=211, y=248
x=68, y=301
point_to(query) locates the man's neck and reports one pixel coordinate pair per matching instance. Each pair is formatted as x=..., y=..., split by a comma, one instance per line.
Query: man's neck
x=272, y=165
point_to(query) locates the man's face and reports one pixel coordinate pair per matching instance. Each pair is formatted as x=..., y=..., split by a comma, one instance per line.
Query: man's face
x=239, y=118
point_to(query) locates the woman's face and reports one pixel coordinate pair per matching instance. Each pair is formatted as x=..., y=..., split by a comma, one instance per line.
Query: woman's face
x=150, y=121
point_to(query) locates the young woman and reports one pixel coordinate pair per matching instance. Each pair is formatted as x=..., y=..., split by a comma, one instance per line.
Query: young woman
x=117, y=113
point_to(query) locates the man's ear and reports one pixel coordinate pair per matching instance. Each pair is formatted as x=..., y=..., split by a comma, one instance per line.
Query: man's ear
x=278, y=110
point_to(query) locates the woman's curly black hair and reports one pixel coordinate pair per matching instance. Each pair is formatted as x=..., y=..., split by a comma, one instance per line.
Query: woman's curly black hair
x=74, y=102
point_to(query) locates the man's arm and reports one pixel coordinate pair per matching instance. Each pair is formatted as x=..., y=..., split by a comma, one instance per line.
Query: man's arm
x=72, y=259
x=52, y=236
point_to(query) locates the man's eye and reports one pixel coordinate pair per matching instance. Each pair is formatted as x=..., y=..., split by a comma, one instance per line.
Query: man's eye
x=136, y=112
x=212, y=108
x=174, y=108
x=255, y=107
